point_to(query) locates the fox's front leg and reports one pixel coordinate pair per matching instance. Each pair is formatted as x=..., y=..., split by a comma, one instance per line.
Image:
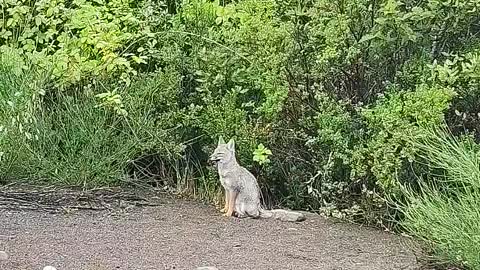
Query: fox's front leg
x=225, y=209
x=232, y=196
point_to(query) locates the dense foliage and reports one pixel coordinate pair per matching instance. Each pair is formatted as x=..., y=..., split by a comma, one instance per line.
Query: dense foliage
x=326, y=99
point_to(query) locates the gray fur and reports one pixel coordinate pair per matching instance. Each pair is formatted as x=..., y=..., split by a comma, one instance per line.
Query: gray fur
x=239, y=182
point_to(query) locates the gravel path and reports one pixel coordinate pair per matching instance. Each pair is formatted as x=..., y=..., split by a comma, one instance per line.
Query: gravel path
x=186, y=235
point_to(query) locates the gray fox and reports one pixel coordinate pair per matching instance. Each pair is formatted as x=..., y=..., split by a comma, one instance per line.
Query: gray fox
x=242, y=194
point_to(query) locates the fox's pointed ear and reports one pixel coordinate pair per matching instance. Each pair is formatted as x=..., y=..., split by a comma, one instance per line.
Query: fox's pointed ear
x=220, y=140
x=231, y=145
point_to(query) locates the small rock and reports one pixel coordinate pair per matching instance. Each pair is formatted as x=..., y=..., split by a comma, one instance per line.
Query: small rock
x=3, y=256
x=49, y=268
x=207, y=268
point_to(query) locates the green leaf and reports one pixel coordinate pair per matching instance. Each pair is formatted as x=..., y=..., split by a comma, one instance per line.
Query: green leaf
x=49, y=12
x=9, y=22
x=367, y=37
x=38, y=20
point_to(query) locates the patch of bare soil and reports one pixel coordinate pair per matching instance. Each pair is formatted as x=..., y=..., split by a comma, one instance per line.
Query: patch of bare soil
x=112, y=229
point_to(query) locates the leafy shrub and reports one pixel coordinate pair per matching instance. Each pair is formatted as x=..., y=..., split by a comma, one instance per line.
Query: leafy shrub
x=461, y=72
x=392, y=123
x=74, y=39
x=249, y=62
x=312, y=162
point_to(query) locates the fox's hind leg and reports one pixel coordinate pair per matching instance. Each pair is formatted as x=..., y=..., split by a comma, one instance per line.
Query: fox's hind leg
x=253, y=211
x=240, y=209
x=247, y=213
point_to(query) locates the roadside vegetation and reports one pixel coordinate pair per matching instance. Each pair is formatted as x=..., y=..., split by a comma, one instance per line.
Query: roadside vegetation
x=364, y=110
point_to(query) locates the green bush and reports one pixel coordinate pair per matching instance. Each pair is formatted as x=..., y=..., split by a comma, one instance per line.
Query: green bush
x=461, y=72
x=248, y=62
x=74, y=39
x=313, y=154
x=392, y=123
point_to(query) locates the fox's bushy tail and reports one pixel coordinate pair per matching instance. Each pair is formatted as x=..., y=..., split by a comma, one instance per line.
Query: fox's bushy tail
x=283, y=215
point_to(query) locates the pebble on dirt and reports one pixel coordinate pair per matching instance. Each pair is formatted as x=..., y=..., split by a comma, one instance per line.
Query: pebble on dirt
x=49, y=268
x=3, y=256
x=207, y=268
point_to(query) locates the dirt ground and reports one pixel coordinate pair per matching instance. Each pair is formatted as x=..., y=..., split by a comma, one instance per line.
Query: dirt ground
x=179, y=234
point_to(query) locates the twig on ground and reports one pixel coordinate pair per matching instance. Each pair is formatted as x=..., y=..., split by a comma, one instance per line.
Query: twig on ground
x=22, y=197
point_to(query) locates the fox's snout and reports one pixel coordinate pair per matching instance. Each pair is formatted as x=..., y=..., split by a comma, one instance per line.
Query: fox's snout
x=213, y=159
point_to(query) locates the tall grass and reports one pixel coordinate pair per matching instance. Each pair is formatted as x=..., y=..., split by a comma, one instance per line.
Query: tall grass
x=445, y=214
x=20, y=88
x=66, y=141
x=66, y=138
x=80, y=144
